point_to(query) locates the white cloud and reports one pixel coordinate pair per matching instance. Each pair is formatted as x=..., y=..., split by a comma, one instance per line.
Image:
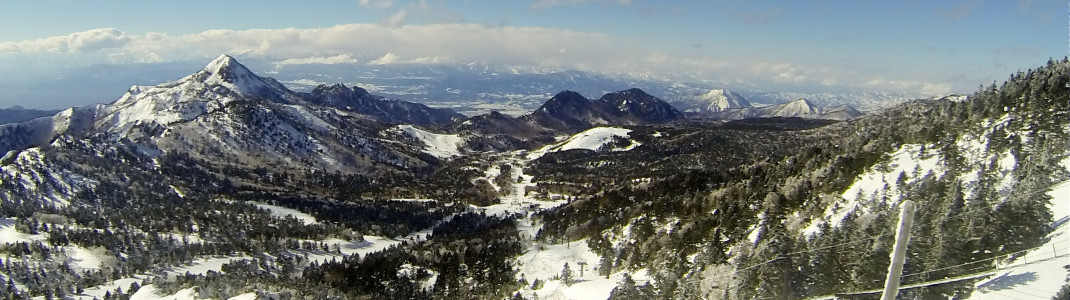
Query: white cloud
x=391, y=58
x=925, y=88
x=377, y=4
x=388, y=58
x=86, y=41
x=330, y=60
x=458, y=43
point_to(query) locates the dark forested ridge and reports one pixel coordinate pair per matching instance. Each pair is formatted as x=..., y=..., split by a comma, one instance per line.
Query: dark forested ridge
x=747, y=209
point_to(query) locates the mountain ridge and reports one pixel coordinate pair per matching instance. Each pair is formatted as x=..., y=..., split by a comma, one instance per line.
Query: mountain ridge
x=571, y=112
x=720, y=104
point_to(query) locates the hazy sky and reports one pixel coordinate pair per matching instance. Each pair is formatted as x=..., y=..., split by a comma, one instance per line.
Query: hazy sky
x=929, y=47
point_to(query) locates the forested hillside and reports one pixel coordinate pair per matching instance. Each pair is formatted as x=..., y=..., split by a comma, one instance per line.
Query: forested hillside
x=819, y=219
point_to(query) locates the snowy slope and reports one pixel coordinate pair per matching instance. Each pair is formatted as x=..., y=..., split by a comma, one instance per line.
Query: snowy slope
x=544, y=261
x=798, y=108
x=149, y=292
x=436, y=144
x=283, y=212
x=220, y=83
x=591, y=139
x=878, y=185
x=1038, y=273
x=716, y=100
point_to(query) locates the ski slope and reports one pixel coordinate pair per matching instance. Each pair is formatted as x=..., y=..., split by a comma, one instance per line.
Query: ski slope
x=592, y=139
x=435, y=144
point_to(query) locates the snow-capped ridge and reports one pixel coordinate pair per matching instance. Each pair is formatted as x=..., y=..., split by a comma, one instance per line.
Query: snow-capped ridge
x=718, y=100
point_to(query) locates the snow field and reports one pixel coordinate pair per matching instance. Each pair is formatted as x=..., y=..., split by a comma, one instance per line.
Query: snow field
x=283, y=212
x=198, y=266
x=1038, y=273
x=438, y=145
x=548, y=262
x=591, y=139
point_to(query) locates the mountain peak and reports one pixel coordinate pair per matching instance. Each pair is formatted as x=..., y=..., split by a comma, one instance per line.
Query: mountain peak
x=223, y=61
x=801, y=102
x=718, y=100
x=227, y=69
x=567, y=94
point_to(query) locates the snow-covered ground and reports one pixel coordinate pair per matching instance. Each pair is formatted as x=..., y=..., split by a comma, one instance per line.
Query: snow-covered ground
x=283, y=212
x=149, y=292
x=544, y=261
x=591, y=139
x=438, y=145
x=880, y=182
x=1039, y=273
x=8, y=234
x=197, y=267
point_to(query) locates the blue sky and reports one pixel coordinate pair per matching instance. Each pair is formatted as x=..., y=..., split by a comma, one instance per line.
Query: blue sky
x=928, y=47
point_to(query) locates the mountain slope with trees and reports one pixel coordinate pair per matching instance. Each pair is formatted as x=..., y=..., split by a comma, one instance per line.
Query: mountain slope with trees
x=777, y=208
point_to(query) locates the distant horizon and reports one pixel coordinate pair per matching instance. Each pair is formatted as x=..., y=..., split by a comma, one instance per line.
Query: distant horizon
x=907, y=47
x=192, y=66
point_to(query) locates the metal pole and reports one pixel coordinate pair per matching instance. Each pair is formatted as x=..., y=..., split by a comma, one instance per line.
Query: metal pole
x=899, y=255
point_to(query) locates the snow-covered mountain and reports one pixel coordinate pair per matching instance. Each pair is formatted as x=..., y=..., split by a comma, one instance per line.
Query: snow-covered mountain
x=358, y=100
x=225, y=111
x=866, y=101
x=714, y=101
x=802, y=108
x=727, y=105
x=224, y=185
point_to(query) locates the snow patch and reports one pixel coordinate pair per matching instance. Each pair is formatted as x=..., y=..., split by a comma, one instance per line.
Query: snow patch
x=9, y=235
x=83, y=258
x=149, y=292
x=1040, y=271
x=591, y=139
x=548, y=261
x=436, y=144
x=283, y=212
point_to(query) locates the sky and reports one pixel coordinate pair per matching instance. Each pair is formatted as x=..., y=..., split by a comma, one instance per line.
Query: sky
x=922, y=47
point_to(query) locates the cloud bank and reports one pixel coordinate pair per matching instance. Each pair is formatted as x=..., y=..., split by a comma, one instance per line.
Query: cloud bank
x=382, y=44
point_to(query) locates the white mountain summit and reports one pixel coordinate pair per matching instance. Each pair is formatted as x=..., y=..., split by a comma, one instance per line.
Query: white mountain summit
x=225, y=111
x=722, y=100
x=221, y=82
x=727, y=105
x=714, y=101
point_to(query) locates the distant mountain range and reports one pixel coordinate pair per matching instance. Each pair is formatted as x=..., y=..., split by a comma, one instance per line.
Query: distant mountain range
x=226, y=101
x=225, y=113
x=470, y=89
x=17, y=114
x=727, y=105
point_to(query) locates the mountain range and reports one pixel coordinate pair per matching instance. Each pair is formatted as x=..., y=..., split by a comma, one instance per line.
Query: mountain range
x=228, y=185
x=470, y=89
x=727, y=105
x=226, y=111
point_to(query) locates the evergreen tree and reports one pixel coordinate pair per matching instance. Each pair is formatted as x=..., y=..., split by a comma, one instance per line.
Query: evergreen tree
x=566, y=275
